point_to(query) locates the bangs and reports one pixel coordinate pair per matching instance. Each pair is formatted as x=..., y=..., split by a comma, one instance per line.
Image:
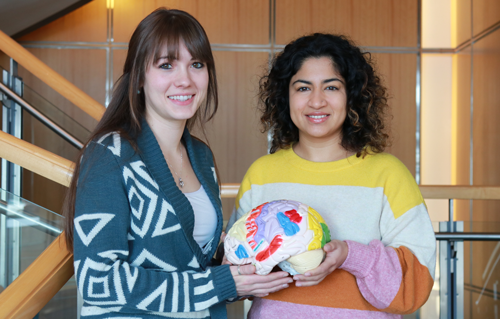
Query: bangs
x=174, y=30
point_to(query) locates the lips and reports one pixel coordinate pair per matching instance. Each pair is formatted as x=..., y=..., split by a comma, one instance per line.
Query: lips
x=317, y=118
x=181, y=98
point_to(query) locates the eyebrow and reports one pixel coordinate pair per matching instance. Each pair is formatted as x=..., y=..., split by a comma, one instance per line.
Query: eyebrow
x=325, y=81
x=166, y=58
x=173, y=58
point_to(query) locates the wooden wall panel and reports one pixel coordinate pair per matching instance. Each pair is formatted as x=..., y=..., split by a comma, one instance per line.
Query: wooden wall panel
x=463, y=21
x=486, y=118
x=4, y=61
x=86, y=24
x=234, y=134
x=119, y=57
x=398, y=72
x=85, y=68
x=486, y=13
x=461, y=127
x=225, y=21
x=367, y=22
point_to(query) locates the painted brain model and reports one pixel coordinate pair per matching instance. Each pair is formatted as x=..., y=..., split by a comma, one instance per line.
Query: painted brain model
x=283, y=232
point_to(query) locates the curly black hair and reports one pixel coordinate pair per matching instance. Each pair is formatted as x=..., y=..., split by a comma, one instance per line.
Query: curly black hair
x=363, y=130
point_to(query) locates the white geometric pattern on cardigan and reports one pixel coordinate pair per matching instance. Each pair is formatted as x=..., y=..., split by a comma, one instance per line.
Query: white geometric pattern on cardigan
x=116, y=147
x=142, y=196
x=103, y=220
x=160, y=228
x=90, y=264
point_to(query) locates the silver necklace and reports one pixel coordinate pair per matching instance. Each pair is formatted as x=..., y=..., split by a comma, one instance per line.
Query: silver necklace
x=181, y=182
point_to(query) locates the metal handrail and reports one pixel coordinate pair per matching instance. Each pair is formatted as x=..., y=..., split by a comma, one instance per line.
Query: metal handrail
x=468, y=236
x=42, y=118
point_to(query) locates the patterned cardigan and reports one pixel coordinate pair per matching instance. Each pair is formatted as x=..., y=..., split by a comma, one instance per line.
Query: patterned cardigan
x=134, y=251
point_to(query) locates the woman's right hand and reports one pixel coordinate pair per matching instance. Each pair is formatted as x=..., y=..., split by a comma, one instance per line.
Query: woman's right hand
x=249, y=283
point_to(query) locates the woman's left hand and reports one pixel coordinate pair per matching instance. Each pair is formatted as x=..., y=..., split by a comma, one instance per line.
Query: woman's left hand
x=336, y=253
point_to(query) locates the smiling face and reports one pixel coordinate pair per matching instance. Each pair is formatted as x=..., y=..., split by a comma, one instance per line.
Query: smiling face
x=174, y=89
x=318, y=100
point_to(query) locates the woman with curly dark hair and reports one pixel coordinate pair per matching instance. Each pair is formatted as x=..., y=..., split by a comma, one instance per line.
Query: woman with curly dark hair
x=325, y=107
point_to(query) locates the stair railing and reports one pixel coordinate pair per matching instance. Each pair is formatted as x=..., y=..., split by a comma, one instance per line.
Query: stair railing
x=50, y=77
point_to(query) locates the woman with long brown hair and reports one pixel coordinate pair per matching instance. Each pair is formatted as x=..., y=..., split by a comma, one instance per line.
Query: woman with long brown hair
x=143, y=210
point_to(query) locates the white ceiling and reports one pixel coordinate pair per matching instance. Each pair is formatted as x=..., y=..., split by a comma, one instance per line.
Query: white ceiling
x=19, y=16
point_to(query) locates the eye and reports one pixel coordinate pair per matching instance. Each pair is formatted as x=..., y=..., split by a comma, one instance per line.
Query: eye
x=165, y=66
x=198, y=65
x=332, y=88
x=303, y=89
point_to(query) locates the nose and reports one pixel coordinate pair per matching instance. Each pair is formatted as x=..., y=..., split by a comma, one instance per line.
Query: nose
x=183, y=78
x=317, y=99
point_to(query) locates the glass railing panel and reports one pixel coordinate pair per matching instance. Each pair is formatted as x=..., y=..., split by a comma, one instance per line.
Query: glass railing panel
x=55, y=114
x=431, y=308
x=26, y=230
x=482, y=273
x=36, y=188
x=65, y=121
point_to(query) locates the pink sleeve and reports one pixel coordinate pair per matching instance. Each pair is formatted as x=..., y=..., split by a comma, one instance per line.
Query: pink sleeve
x=377, y=270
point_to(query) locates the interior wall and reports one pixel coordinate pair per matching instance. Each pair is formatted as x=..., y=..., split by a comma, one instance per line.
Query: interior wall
x=461, y=21
x=461, y=127
x=475, y=145
x=476, y=114
x=486, y=171
x=244, y=40
x=398, y=72
x=225, y=21
x=485, y=14
x=486, y=138
x=382, y=23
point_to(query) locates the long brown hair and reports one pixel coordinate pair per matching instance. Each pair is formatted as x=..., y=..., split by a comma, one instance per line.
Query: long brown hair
x=127, y=106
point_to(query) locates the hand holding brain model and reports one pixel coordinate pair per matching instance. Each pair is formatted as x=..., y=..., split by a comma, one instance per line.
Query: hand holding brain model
x=284, y=232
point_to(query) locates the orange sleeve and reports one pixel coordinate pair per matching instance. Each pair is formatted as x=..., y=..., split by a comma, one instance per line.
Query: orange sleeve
x=416, y=284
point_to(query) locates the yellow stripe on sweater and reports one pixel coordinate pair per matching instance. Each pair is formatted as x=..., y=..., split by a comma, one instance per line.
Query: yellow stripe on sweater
x=285, y=166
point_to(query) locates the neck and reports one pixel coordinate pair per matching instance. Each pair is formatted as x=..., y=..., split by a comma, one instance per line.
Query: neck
x=167, y=134
x=320, y=151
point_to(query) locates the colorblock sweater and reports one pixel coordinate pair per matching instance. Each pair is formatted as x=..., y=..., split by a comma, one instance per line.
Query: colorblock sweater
x=134, y=251
x=373, y=204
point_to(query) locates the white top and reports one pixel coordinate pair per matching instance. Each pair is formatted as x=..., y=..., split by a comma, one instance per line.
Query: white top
x=205, y=217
